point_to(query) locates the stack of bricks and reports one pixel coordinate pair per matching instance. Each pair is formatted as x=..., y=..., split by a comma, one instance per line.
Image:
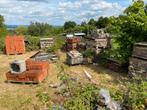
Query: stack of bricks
x=36, y=72
x=14, y=45
x=72, y=43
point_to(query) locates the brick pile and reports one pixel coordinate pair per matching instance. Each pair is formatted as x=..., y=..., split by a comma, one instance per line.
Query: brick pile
x=36, y=72
x=72, y=43
x=14, y=45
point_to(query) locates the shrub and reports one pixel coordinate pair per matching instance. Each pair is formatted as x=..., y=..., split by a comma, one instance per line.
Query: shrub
x=136, y=94
x=33, y=43
x=88, y=53
x=81, y=97
x=58, y=44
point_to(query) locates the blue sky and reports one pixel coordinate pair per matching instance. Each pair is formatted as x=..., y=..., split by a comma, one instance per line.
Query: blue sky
x=56, y=12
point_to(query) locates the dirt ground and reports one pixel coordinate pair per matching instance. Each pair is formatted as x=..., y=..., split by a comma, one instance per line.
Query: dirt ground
x=15, y=96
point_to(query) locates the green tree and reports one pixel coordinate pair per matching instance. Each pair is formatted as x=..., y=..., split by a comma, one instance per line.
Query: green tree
x=21, y=30
x=1, y=21
x=88, y=29
x=3, y=33
x=146, y=9
x=38, y=29
x=92, y=22
x=127, y=29
x=78, y=28
x=69, y=25
x=102, y=22
x=137, y=7
x=83, y=23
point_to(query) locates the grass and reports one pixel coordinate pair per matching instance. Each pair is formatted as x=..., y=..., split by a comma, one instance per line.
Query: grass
x=14, y=96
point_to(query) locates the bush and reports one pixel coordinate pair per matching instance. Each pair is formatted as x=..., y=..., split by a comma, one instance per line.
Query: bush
x=33, y=43
x=127, y=29
x=3, y=33
x=58, y=44
x=21, y=30
x=2, y=45
x=81, y=97
x=135, y=94
x=88, y=53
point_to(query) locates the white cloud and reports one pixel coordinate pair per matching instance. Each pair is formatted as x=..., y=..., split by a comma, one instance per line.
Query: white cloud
x=56, y=11
x=4, y=1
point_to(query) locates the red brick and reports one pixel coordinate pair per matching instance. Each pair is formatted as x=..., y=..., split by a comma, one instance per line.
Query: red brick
x=15, y=45
x=36, y=72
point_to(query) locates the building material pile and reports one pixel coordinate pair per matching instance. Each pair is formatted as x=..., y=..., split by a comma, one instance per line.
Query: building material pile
x=105, y=101
x=74, y=57
x=14, y=45
x=40, y=56
x=138, y=62
x=43, y=56
x=46, y=42
x=72, y=43
x=98, y=41
x=36, y=71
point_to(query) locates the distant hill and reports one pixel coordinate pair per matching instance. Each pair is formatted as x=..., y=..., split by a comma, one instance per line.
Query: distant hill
x=12, y=27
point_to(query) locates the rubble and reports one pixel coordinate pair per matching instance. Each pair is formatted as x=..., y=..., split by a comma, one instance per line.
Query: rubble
x=57, y=107
x=106, y=101
x=55, y=85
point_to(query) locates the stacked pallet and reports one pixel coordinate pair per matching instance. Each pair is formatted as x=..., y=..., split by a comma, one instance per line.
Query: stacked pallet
x=74, y=58
x=138, y=62
x=14, y=45
x=98, y=41
x=46, y=42
x=72, y=43
x=36, y=72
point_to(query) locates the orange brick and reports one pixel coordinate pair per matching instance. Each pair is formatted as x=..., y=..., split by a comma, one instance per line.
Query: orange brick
x=14, y=45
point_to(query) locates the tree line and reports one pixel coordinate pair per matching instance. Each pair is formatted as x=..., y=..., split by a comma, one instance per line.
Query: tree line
x=43, y=29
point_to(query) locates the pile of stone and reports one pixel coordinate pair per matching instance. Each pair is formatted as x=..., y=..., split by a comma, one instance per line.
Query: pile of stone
x=106, y=102
x=138, y=62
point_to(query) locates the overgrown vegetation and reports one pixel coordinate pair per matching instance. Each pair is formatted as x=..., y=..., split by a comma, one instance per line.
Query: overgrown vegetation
x=58, y=44
x=88, y=53
x=32, y=43
x=3, y=33
x=135, y=94
x=127, y=29
x=85, y=97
